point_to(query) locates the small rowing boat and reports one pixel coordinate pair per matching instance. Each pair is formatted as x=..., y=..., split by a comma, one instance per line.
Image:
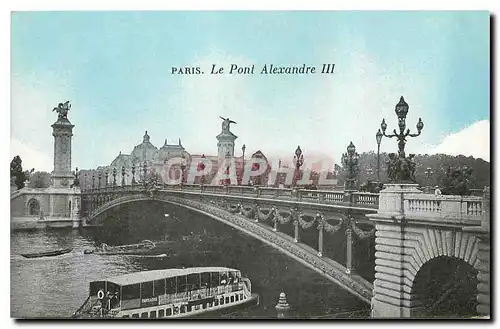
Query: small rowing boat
x=48, y=253
x=130, y=249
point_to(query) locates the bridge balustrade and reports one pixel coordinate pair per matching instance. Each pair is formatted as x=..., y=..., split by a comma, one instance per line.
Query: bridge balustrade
x=315, y=196
x=365, y=198
x=444, y=207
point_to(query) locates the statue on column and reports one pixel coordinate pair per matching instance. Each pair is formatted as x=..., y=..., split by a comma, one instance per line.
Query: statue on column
x=226, y=124
x=62, y=110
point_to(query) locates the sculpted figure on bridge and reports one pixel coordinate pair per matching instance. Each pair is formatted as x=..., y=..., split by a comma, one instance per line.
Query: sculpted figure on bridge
x=226, y=124
x=62, y=110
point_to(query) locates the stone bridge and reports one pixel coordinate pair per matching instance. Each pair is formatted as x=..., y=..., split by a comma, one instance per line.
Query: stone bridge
x=247, y=208
x=411, y=230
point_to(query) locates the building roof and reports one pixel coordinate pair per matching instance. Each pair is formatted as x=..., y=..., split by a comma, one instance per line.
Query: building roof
x=146, y=276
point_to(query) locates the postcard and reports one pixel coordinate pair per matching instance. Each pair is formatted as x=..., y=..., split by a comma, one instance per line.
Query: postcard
x=250, y=165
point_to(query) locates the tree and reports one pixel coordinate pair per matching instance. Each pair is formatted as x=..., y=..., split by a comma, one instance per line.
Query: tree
x=40, y=179
x=17, y=174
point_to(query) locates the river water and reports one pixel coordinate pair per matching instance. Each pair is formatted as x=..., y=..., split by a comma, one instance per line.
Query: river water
x=57, y=286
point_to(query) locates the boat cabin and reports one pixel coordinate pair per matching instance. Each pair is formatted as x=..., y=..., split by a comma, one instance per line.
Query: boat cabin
x=187, y=288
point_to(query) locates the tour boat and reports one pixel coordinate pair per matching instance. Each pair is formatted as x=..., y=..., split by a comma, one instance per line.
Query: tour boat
x=169, y=293
x=48, y=253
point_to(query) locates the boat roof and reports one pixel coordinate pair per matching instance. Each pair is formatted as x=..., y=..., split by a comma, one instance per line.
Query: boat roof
x=145, y=276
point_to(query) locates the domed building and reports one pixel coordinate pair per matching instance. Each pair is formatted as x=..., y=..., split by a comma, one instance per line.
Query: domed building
x=130, y=166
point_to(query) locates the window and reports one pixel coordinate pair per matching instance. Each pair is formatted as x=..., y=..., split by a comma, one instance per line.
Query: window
x=168, y=312
x=69, y=207
x=144, y=315
x=171, y=285
x=152, y=314
x=125, y=316
x=237, y=297
x=183, y=309
x=159, y=286
x=147, y=289
x=193, y=281
x=161, y=313
x=214, y=279
x=190, y=308
x=205, y=305
x=232, y=299
x=223, y=278
x=222, y=300
x=182, y=284
x=241, y=296
x=34, y=207
x=216, y=302
x=227, y=300
x=205, y=279
x=233, y=277
x=131, y=291
x=135, y=315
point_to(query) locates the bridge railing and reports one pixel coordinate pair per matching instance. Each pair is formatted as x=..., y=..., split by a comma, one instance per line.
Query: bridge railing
x=302, y=195
x=463, y=208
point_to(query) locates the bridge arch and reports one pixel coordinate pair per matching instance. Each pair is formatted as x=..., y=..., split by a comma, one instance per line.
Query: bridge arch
x=404, y=254
x=334, y=272
x=445, y=286
x=436, y=251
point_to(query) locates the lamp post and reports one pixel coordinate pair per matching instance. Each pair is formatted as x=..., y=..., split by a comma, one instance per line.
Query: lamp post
x=378, y=136
x=201, y=167
x=350, y=162
x=400, y=168
x=183, y=167
x=401, y=111
x=298, y=160
x=243, y=148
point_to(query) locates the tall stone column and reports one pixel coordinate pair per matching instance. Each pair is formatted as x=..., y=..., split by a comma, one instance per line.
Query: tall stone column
x=62, y=130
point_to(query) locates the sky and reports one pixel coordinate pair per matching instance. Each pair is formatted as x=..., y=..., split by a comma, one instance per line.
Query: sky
x=115, y=69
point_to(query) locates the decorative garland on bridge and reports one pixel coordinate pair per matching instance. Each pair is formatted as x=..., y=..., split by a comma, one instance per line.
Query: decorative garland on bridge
x=263, y=216
x=327, y=226
x=247, y=213
x=362, y=234
x=232, y=209
x=303, y=223
x=282, y=220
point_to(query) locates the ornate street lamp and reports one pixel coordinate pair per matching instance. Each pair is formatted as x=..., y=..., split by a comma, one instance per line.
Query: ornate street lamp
x=378, y=136
x=298, y=160
x=401, y=111
x=201, y=167
x=243, y=148
x=350, y=162
x=183, y=167
x=400, y=168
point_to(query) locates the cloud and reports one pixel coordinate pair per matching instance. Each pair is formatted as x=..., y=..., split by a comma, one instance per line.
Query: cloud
x=473, y=140
x=32, y=99
x=32, y=158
